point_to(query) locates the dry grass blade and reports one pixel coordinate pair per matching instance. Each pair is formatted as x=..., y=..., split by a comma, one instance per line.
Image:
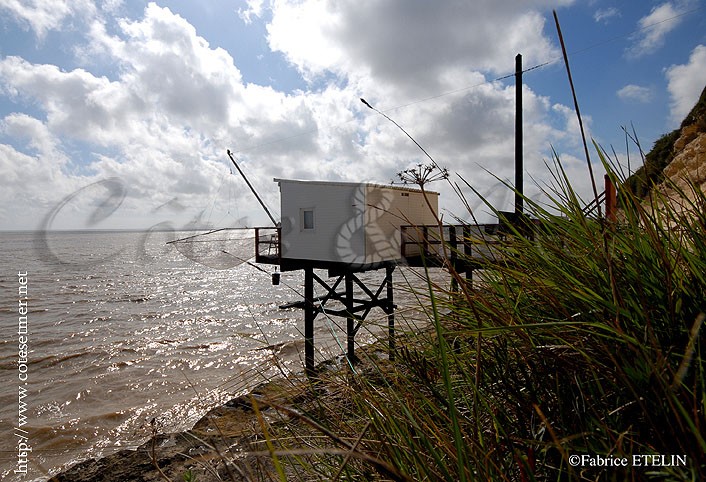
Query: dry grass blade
x=382, y=466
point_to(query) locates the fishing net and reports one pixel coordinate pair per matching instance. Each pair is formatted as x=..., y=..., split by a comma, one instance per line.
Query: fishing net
x=219, y=249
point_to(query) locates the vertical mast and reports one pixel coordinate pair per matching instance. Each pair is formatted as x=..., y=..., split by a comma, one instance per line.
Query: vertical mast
x=518, y=136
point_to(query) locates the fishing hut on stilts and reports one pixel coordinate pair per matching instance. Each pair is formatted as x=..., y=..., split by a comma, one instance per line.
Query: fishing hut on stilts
x=345, y=229
x=348, y=229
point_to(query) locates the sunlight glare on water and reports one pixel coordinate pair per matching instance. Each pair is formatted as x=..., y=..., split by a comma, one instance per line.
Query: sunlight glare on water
x=123, y=329
x=116, y=341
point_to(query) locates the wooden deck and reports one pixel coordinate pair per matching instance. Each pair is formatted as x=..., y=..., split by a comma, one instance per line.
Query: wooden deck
x=463, y=246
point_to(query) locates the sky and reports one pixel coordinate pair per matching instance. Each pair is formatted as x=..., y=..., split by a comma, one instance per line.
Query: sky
x=117, y=114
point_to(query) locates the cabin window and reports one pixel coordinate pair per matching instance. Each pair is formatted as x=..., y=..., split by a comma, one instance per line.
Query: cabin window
x=307, y=218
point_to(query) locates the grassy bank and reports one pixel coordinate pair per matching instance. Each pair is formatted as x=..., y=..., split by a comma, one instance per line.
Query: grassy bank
x=584, y=339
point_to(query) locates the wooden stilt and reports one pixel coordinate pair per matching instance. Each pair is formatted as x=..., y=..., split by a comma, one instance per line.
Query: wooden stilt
x=350, y=319
x=390, y=305
x=468, y=252
x=453, y=247
x=309, y=316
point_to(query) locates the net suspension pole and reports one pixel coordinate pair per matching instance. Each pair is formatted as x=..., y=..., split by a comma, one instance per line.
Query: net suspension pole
x=262, y=203
x=518, y=136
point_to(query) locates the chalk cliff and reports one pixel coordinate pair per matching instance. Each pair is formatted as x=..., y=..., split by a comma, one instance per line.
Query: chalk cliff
x=677, y=162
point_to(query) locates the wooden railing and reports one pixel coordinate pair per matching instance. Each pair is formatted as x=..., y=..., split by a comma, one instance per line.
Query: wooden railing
x=268, y=245
x=431, y=244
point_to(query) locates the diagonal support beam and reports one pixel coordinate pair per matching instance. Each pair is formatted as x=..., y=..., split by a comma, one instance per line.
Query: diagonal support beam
x=352, y=305
x=331, y=290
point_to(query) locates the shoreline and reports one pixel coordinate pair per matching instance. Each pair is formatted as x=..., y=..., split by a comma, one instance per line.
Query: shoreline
x=228, y=442
x=179, y=451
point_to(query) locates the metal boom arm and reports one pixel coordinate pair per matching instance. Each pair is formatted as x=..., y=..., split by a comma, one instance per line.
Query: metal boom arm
x=262, y=203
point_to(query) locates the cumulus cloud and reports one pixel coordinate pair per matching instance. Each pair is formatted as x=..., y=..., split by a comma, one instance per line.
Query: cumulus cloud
x=163, y=118
x=685, y=83
x=32, y=174
x=635, y=93
x=604, y=15
x=162, y=126
x=45, y=15
x=76, y=102
x=391, y=52
x=254, y=9
x=408, y=44
x=154, y=126
x=653, y=28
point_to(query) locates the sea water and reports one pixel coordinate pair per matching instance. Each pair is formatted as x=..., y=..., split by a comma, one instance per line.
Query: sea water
x=123, y=335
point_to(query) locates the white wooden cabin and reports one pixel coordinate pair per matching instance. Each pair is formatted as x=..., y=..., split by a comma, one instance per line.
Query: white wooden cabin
x=327, y=223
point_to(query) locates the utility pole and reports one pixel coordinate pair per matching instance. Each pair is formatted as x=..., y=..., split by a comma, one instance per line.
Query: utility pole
x=518, y=136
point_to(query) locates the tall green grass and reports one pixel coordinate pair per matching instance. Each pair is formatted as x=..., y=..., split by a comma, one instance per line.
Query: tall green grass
x=585, y=338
